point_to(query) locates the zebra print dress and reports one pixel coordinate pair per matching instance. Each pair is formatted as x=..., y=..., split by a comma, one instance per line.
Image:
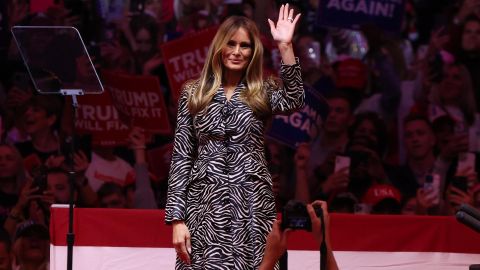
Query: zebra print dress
x=219, y=182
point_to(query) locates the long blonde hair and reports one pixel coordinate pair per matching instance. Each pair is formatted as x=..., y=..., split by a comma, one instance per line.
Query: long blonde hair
x=212, y=73
x=466, y=101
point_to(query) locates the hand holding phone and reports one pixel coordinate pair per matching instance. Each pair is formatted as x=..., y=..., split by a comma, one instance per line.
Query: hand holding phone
x=432, y=188
x=342, y=162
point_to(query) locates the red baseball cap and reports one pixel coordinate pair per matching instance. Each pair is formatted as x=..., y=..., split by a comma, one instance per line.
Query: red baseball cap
x=350, y=73
x=380, y=192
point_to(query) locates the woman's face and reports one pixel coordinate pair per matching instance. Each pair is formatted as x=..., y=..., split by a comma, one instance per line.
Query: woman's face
x=8, y=162
x=236, y=54
x=451, y=86
x=144, y=41
x=366, y=130
x=471, y=36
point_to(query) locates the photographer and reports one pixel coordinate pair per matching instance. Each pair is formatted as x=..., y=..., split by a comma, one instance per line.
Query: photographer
x=277, y=240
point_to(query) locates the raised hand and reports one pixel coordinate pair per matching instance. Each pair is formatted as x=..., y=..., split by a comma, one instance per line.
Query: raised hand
x=317, y=222
x=137, y=138
x=81, y=162
x=336, y=181
x=302, y=155
x=282, y=32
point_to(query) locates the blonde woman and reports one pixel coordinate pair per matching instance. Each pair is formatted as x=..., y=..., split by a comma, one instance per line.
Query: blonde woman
x=220, y=199
x=453, y=96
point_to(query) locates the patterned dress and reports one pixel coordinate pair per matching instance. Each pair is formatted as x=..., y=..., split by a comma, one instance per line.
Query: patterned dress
x=219, y=183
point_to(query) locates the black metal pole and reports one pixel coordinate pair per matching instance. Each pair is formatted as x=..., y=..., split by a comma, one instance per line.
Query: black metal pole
x=71, y=178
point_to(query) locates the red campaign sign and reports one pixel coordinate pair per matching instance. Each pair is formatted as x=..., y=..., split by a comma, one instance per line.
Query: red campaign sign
x=184, y=58
x=97, y=116
x=139, y=100
x=159, y=160
x=40, y=5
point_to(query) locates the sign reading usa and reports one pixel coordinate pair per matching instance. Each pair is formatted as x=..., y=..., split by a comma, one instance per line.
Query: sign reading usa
x=386, y=14
x=303, y=125
x=184, y=58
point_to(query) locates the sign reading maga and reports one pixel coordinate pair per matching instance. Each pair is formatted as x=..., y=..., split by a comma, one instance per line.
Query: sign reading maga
x=139, y=101
x=184, y=58
x=386, y=14
x=303, y=125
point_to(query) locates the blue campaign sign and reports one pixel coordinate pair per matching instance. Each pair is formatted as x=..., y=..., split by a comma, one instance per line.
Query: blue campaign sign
x=351, y=14
x=303, y=125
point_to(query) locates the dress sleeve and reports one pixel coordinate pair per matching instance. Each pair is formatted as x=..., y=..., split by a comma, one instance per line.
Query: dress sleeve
x=184, y=151
x=291, y=95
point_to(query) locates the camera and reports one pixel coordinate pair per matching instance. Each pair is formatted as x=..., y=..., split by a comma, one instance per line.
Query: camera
x=295, y=216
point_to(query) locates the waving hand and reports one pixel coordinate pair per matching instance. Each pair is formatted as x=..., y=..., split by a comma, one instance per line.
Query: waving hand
x=282, y=32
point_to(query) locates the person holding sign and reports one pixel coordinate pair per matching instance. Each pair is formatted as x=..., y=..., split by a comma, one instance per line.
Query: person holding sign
x=220, y=200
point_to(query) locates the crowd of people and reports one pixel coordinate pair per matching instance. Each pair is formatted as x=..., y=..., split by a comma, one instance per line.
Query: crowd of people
x=401, y=135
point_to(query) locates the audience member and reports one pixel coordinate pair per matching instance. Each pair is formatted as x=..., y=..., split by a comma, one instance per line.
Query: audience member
x=42, y=117
x=32, y=246
x=308, y=50
x=364, y=156
x=143, y=195
x=369, y=130
x=469, y=52
x=32, y=204
x=334, y=134
x=112, y=195
x=130, y=40
x=383, y=199
x=420, y=142
x=11, y=178
x=144, y=31
x=277, y=239
x=58, y=185
x=366, y=143
x=106, y=167
x=344, y=202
